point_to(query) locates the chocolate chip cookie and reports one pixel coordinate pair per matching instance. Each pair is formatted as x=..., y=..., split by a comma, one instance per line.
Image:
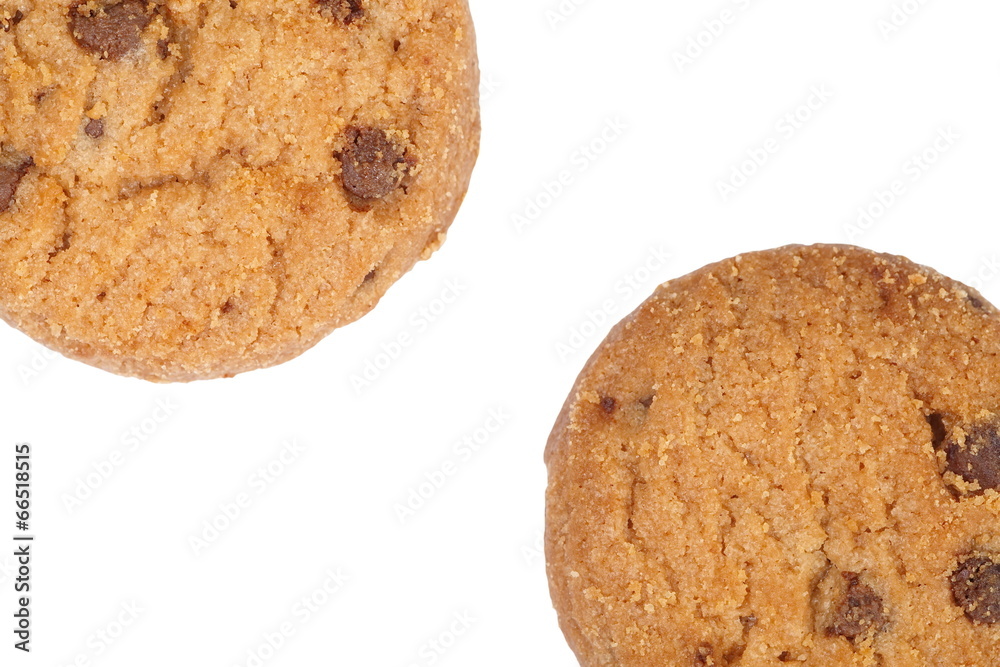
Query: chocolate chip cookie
x=195, y=188
x=791, y=456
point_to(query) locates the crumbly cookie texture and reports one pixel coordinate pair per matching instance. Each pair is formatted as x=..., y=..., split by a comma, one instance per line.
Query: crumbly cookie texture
x=192, y=189
x=789, y=457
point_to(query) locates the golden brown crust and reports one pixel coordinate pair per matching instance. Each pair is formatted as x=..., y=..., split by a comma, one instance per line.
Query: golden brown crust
x=752, y=470
x=204, y=227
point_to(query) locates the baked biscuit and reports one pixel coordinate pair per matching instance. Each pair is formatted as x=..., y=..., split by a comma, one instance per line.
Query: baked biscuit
x=191, y=189
x=791, y=456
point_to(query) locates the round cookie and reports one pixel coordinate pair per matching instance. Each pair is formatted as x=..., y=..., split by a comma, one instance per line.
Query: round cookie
x=192, y=189
x=791, y=456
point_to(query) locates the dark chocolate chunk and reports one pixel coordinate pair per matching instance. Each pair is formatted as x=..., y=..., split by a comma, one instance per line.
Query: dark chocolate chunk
x=372, y=165
x=95, y=128
x=347, y=11
x=939, y=432
x=704, y=655
x=8, y=23
x=975, y=586
x=112, y=31
x=860, y=613
x=63, y=244
x=608, y=404
x=977, y=460
x=10, y=179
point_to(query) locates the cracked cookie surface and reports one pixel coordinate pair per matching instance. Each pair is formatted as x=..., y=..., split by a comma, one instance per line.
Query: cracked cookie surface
x=194, y=189
x=786, y=457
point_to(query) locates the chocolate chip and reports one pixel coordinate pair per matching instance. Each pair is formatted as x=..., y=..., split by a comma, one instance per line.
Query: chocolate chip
x=786, y=656
x=860, y=613
x=975, y=586
x=9, y=23
x=95, y=128
x=977, y=460
x=939, y=432
x=704, y=655
x=373, y=166
x=63, y=245
x=10, y=179
x=227, y=307
x=112, y=31
x=347, y=11
x=163, y=49
x=608, y=404
x=733, y=655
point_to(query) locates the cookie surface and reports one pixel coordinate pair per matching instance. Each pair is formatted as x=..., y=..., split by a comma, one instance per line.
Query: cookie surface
x=791, y=456
x=193, y=189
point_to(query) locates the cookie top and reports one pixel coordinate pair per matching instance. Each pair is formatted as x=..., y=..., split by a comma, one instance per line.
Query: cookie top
x=791, y=456
x=192, y=189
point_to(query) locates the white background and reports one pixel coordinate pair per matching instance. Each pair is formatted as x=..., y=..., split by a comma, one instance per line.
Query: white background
x=531, y=292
